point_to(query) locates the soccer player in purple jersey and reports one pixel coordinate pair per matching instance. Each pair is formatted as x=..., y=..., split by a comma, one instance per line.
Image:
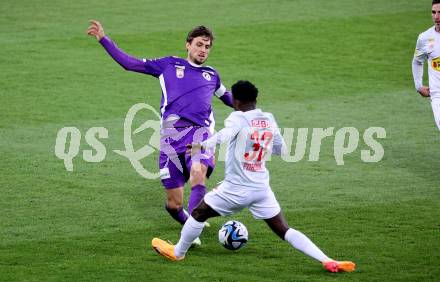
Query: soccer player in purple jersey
x=187, y=90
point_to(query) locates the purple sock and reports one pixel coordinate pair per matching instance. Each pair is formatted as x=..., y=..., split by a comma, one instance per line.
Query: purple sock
x=197, y=194
x=179, y=215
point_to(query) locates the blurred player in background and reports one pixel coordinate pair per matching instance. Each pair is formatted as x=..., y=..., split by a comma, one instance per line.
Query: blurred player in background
x=187, y=90
x=252, y=135
x=428, y=48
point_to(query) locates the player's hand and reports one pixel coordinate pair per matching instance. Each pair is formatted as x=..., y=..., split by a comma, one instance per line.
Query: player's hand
x=95, y=29
x=193, y=148
x=424, y=91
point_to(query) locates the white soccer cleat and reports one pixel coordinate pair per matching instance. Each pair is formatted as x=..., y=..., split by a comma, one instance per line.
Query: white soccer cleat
x=196, y=242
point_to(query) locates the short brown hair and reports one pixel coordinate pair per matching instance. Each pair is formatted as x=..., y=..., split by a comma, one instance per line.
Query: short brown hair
x=200, y=31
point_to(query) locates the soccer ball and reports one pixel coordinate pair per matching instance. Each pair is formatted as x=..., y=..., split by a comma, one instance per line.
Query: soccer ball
x=233, y=235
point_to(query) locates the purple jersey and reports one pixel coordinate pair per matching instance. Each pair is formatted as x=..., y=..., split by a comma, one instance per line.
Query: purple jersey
x=187, y=88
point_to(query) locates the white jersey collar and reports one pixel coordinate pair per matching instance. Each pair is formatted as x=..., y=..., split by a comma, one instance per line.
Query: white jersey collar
x=194, y=65
x=257, y=110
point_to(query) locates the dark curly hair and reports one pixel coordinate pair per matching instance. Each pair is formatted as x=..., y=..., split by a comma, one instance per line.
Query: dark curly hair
x=244, y=91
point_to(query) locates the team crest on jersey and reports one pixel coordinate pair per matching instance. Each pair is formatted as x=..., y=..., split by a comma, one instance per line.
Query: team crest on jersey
x=207, y=76
x=435, y=64
x=180, y=71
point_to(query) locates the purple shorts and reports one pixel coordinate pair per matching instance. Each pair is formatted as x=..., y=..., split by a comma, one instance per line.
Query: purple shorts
x=174, y=163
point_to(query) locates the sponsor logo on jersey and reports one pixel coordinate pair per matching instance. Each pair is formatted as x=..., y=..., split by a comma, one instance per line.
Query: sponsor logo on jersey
x=206, y=75
x=435, y=63
x=260, y=123
x=257, y=166
x=180, y=71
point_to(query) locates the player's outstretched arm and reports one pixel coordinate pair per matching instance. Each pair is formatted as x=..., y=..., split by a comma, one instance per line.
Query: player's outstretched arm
x=95, y=29
x=126, y=61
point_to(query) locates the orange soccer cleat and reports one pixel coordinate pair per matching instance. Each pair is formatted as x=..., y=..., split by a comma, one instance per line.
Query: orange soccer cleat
x=339, y=266
x=165, y=249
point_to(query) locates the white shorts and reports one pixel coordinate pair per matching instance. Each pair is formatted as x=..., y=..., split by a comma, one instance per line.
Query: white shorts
x=435, y=104
x=227, y=199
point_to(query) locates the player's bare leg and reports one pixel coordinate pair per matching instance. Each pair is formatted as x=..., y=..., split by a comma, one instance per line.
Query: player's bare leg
x=174, y=207
x=174, y=204
x=192, y=229
x=299, y=241
x=203, y=212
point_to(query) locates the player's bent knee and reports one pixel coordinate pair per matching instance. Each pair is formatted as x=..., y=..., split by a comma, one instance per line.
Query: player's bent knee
x=174, y=205
x=198, y=174
x=199, y=213
x=202, y=212
x=197, y=178
x=175, y=198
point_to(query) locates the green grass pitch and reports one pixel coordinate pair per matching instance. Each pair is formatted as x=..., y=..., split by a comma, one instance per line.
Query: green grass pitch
x=318, y=64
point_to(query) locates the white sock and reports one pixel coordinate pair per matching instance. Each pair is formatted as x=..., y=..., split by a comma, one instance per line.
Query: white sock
x=190, y=231
x=301, y=242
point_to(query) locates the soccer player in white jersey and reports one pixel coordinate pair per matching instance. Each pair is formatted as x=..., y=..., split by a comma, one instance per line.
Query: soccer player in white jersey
x=252, y=135
x=428, y=48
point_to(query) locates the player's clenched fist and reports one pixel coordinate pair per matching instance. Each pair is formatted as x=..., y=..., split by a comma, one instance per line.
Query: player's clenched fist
x=96, y=29
x=424, y=91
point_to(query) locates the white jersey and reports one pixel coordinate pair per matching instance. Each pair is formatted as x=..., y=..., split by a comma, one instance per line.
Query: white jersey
x=428, y=48
x=252, y=136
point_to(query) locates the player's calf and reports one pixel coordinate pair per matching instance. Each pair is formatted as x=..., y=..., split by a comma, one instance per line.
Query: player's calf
x=203, y=211
x=178, y=214
x=278, y=225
